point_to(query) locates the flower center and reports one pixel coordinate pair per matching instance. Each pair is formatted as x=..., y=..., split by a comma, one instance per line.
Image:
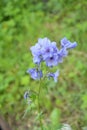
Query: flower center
x=51, y=58
x=48, y=50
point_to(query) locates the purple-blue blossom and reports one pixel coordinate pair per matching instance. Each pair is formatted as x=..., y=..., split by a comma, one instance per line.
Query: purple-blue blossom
x=53, y=75
x=37, y=53
x=26, y=95
x=35, y=74
x=61, y=54
x=67, y=44
x=49, y=49
x=52, y=60
x=46, y=51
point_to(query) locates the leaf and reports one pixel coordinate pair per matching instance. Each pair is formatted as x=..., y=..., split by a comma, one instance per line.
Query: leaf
x=55, y=116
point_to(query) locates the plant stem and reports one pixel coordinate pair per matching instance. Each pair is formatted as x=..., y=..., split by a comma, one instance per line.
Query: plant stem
x=39, y=112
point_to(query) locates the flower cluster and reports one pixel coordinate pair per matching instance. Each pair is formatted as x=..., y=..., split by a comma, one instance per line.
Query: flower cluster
x=48, y=52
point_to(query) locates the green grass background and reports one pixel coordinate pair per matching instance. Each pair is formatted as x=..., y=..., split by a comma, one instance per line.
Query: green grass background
x=21, y=24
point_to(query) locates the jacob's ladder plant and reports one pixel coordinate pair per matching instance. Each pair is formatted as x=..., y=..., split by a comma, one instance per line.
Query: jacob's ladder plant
x=48, y=53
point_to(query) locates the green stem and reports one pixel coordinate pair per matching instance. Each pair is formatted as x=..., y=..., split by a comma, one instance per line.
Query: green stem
x=41, y=125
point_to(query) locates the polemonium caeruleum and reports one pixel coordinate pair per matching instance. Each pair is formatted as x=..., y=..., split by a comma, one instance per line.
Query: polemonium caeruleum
x=53, y=75
x=67, y=44
x=52, y=60
x=48, y=52
x=35, y=73
x=26, y=95
x=61, y=54
x=37, y=53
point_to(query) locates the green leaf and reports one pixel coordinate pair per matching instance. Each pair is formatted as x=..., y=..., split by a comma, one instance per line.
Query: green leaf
x=55, y=116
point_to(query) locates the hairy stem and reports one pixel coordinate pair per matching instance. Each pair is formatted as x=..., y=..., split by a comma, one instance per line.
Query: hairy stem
x=39, y=111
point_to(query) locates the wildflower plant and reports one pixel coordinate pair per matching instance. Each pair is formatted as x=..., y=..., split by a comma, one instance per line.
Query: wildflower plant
x=47, y=53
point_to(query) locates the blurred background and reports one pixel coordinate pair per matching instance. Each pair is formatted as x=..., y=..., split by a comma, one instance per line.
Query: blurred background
x=21, y=24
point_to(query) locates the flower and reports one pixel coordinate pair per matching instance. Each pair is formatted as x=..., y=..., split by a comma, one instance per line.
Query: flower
x=26, y=95
x=36, y=52
x=53, y=75
x=52, y=60
x=45, y=50
x=61, y=54
x=43, y=41
x=37, y=59
x=35, y=74
x=48, y=49
x=48, y=52
x=55, y=49
x=67, y=44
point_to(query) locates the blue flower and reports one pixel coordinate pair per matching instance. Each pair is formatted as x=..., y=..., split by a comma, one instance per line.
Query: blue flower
x=53, y=75
x=37, y=54
x=61, y=54
x=67, y=44
x=52, y=60
x=35, y=50
x=48, y=52
x=43, y=41
x=46, y=48
x=35, y=74
x=49, y=49
x=55, y=49
x=26, y=95
x=37, y=59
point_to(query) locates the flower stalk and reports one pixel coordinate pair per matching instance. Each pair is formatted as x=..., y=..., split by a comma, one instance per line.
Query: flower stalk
x=39, y=111
x=47, y=52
